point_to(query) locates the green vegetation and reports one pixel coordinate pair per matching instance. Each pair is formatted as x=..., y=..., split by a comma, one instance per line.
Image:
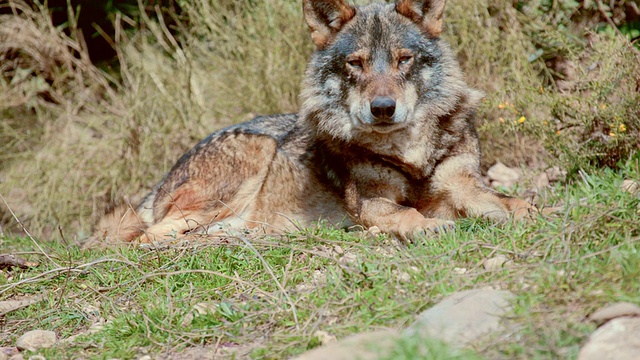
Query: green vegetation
x=561, y=82
x=157, y=300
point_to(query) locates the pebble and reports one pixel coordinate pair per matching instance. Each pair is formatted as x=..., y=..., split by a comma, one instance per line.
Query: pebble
x=495, y=263
x=464, y=317
x=502, y=175
x=615, y=311
x=618, y=339
x=36, y=339
x=324, y=337
x=368, y=345
x=630, y=186
x=459, y=271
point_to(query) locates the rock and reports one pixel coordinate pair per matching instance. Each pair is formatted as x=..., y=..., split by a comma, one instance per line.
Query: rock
x=374, y=231
x=8, y=352
x=369, y=345
x=348, y=259
x=495, y=263
x=619, y=339
x=615, y=311
x=94, y=328
x=324, y=337
x=12, y=305
x=555, y=174
x=464, y=317
x=502, y=175
x=36, y=339
x=459, y=271
x=631, y=187
x=541, y=181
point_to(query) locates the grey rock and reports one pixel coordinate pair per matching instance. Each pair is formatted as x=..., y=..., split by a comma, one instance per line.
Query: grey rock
x=502, y=175
x=631, y=186
x=369, y=345
x=495, y=263
x=615, y=311
x=36, y=339
x=464, y=317
x=619, y=339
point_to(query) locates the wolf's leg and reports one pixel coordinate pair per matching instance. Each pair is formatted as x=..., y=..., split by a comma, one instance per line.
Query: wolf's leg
x=401, y=221
x=457, y=190
x=219, y=183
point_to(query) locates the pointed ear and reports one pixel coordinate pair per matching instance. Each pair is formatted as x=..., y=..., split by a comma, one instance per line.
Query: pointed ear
x=426, y=13
x=325, y=18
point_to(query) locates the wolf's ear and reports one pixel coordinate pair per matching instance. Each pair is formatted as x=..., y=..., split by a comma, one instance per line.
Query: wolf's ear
x=325, y=18
x=426, y=13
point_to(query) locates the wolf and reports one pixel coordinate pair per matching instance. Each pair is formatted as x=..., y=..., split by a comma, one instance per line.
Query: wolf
x=385, y=137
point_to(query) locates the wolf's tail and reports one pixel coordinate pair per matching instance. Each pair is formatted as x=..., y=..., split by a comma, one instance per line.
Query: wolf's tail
x=120, y=224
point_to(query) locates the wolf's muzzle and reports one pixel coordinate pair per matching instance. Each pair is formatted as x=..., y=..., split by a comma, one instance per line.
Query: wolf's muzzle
x=382, y=109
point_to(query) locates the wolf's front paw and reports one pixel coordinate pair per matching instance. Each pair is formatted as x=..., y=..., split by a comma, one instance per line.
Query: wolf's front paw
x=417, y=225
x=433, y=226
x=437, y=226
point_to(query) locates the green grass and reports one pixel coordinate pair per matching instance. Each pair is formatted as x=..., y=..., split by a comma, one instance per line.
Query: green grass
x=275, y=294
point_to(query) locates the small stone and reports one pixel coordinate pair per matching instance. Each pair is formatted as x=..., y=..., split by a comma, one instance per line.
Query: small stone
x=630, y=186
x=8, y=351
x=404, y=277
x=12, y=305
x=338, y=250
x=324, y=337
x=348, y=259
x=464, y=317
x=541, y=181
x=146, y=357
x=36, y=339
x=374, y=231
x=556, y=174
x=615, y=311
x=495, y=263
x=502, y=175
x=37, y=357
x=369, y=345
x=619, y=339
x=459, y=271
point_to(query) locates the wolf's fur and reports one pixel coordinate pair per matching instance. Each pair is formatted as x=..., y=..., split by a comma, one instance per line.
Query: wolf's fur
x=385, y=137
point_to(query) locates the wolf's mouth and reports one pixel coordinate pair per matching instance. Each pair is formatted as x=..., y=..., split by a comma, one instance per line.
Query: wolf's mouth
x=387, y=128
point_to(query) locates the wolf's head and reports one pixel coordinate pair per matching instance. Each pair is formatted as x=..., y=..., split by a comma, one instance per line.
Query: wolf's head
x=378, y=69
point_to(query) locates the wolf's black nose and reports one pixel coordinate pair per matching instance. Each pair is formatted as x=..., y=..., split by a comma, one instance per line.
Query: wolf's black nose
x=382, y=109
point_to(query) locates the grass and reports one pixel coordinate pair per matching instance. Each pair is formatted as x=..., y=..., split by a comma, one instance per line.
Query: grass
x=274, y=294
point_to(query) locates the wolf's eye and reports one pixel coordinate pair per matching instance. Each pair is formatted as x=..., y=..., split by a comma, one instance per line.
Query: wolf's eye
x=404, y=60
x=355, y=63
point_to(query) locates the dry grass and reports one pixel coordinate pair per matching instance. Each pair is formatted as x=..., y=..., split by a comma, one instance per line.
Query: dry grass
x=72, y=140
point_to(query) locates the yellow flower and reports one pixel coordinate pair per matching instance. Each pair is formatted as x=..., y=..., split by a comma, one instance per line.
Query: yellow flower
x=612, y=134
x=522, y=119
x=622, y=128
x=502, y=120
x=545, y=122
x=501, y=106
x=603, y=106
